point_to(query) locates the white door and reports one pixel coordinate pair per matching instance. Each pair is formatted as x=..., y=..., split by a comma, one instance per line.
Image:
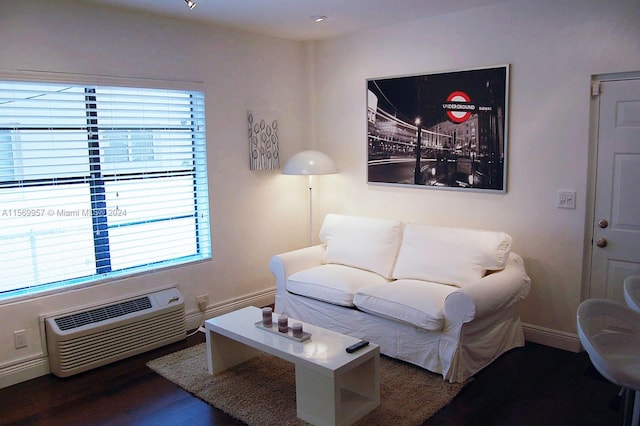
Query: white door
x=616, y=228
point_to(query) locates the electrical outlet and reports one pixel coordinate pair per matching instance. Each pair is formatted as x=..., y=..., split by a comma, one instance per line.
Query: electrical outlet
x=20, y=339
x=203, y=302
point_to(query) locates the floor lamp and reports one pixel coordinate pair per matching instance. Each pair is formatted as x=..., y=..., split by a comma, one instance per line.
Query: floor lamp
x=310, y=163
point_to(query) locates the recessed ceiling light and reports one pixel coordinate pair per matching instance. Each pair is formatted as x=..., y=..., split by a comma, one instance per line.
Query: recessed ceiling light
x=319, y=18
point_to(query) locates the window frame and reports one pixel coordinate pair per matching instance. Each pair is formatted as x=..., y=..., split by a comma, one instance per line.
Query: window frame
x=104, y=273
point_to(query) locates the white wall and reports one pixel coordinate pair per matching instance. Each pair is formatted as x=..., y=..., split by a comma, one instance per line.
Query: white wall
x=553, y=48
x=254, y=214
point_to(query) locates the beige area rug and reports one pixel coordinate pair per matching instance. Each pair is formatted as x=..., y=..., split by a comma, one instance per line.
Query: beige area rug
x=262, y=391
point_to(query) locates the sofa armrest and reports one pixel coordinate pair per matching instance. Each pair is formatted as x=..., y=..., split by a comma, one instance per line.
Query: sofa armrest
x=285, y=264
x=498, y=290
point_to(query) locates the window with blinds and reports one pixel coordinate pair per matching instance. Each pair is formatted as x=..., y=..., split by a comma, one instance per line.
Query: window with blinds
x=97, y=182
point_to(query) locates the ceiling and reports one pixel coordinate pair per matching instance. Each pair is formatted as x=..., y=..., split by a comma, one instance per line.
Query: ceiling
x=291, y=19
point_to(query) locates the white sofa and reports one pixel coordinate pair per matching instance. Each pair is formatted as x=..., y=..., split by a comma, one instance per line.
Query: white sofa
x=445, y=299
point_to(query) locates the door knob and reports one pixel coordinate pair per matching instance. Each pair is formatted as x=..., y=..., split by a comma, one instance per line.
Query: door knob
x=601, y=242
x=602, y=223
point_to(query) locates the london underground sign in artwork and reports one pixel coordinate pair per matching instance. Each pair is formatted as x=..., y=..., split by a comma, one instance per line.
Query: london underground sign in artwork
x=444, y=130
x=458, y=107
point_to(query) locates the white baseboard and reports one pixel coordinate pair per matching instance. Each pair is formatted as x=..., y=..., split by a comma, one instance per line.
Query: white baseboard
x=261, y=298
x=23, y=370
x=550, y=337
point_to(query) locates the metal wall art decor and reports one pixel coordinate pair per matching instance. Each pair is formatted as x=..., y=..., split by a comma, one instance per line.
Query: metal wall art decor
x=443, y=130
x=263, y=140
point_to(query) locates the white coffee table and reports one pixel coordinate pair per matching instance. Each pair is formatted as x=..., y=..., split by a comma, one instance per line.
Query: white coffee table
x=333, y=387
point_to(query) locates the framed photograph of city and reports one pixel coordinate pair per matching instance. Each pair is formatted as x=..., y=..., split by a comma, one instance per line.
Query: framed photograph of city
x=441, y=130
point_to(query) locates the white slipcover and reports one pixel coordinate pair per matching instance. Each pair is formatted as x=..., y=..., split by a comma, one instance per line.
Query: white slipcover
x=452, y=328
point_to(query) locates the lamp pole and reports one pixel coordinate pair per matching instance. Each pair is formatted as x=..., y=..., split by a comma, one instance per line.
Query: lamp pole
x=417, y=174
x=310, y=210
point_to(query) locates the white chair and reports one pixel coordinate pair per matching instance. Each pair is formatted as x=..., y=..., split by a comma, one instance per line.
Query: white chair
x=610, y=333
x=632, y=292
x=632, y=298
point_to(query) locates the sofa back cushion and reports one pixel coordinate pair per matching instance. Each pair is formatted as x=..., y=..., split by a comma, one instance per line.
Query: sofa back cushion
x=367, y=243
x=452, y=256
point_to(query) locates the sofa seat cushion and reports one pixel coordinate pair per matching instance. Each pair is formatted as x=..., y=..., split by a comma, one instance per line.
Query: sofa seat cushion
x=415, y=302
x=367, y=243
x=332, y=283
x=454, y=256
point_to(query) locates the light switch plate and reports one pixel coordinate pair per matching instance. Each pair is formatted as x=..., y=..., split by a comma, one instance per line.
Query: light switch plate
x=566, y=199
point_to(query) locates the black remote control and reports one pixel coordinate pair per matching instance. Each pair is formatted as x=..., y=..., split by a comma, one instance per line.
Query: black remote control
x=361, y=344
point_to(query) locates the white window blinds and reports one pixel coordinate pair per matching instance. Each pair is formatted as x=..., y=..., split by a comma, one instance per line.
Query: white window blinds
x=98, y=181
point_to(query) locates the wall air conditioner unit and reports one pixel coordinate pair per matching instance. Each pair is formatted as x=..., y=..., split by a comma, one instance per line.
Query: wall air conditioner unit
x=82, y=340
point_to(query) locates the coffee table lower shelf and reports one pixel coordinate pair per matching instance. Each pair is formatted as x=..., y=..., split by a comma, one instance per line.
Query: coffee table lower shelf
x=338, y=400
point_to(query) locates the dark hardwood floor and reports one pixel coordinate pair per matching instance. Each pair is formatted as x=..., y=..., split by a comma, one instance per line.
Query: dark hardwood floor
x=534, y=385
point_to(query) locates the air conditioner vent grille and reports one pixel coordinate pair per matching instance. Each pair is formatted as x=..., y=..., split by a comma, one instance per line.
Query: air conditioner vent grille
x=104, y=313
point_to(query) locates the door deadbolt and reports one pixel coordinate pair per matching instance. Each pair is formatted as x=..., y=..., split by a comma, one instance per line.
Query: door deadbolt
x=602, y=223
